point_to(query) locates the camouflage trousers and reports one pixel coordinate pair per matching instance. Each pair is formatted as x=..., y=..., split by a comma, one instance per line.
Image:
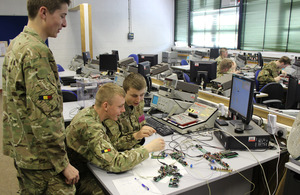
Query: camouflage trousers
x=43, y=182
x=89, y=185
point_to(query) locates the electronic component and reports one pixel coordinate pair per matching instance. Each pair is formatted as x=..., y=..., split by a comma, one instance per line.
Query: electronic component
x=221, y=122
x=161, y=155
x=169, y=170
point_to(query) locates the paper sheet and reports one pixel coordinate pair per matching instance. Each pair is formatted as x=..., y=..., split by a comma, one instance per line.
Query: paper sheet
x=129, y=186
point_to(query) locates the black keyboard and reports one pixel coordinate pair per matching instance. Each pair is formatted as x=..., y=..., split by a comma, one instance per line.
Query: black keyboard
x=160, y=128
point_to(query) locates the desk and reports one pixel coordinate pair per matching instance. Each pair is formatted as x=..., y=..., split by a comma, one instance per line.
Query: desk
x=292, y=179
x=67, y=73
x=70, y=109
x=185, y=68
x=198, y=176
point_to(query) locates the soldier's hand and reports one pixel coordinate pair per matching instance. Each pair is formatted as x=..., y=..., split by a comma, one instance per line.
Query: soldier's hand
x=155, y=145
x=71, y=174
x=145, y=131
x=277, y=79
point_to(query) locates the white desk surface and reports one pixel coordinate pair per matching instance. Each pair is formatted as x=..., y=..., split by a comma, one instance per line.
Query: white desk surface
x=197, y=176
x=292, y=166
x=68, y=87
x=181, y=67
x=67, y=73
x=70, y=109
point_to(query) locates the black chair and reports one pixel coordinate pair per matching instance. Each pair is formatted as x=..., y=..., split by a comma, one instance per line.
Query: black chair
x=69, y=96
x=275, y=93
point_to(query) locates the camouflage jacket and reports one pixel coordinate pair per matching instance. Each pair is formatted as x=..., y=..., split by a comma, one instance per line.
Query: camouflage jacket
x=219, y=59
x=121, y=132
x=268, y=73
x=33, y=125
x=87, y=136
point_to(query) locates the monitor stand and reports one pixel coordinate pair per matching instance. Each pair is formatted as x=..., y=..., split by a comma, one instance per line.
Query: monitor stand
x=110, y=73
x=246, y=127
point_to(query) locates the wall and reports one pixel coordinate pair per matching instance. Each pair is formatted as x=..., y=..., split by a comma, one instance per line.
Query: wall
x=152, y=24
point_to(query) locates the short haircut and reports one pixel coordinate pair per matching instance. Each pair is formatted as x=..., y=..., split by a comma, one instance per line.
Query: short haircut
x=135, y=81
x=225, y=64
x=222, y=50
x=106, y=93
x=33, y=6
x=285, y=60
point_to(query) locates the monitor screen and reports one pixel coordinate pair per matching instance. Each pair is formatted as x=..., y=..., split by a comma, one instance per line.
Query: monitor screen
x=293, y=94
x=108, y=62
x=241, y=99
x=152, y=58
x=154, y=99
x=260, y=60
x=115, y=52
x=214, y=53
x=209, y=66
x=86, y=57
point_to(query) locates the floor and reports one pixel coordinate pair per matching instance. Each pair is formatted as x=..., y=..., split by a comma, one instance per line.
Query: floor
x=8, y=179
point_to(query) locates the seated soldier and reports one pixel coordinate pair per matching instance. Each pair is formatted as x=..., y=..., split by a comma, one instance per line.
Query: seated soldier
x=88, y=142
x=271, y=71
x=223, y=55
x=130, y=129
x=226, y=66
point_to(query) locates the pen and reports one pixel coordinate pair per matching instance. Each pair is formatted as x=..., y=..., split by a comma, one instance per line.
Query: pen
x=143, y=185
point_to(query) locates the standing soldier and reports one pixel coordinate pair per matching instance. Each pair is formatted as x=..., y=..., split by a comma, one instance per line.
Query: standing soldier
x=33, y=125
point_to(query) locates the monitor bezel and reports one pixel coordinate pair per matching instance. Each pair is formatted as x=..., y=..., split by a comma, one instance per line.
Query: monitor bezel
x=245, y=119
x=111, y=69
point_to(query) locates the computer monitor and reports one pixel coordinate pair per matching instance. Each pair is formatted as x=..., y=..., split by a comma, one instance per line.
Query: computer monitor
x=86, y=56
x=214, y=53
x=260, y=60
x=209, y=66
x=241, y=100
x=293, y=94
x=152, y=58
x=108, y=62
x=115, y=52
x=144, y=70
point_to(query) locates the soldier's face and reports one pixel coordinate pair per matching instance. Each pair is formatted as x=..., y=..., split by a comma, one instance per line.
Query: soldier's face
x=134, y=97
x=115, y=109
x=56, y=21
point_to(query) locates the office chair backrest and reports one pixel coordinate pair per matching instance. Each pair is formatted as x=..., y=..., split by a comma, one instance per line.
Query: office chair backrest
x=275, y=91
x=135, y=57
x=60, y=68
x=184, y=62
x=69, y=96
x=186, y=78
x=256, y=81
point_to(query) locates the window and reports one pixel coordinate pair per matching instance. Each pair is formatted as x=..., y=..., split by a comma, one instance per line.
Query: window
x=261, y=25
x=210, y=25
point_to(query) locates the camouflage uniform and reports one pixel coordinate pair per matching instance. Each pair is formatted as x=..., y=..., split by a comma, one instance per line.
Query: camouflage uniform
x=220, y=74
x=219, y=59
x=121, y=132
x=88, y=141
x=33, y=126
x=268, y=73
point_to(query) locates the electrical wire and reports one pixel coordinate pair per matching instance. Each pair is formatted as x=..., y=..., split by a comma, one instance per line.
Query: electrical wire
x=263, y=171
x=277, y=165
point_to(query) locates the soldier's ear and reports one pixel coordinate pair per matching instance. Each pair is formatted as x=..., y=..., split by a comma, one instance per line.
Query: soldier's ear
x=105, y=106
x=43, y=12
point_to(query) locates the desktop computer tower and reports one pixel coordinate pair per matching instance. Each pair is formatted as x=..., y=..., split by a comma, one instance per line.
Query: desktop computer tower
x=257, y=138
